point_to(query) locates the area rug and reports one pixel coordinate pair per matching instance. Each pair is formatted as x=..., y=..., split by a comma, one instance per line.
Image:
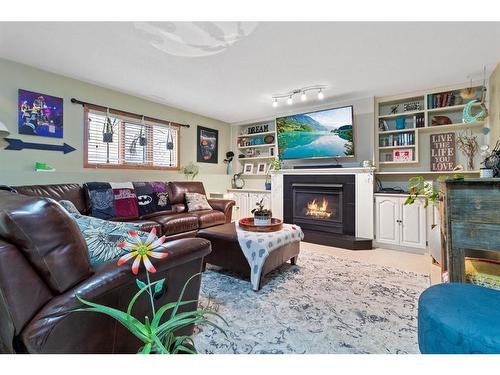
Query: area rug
x=325, y=304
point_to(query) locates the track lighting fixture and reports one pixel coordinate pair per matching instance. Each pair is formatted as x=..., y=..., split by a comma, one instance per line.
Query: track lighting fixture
x=321, y=96
x=303, y=94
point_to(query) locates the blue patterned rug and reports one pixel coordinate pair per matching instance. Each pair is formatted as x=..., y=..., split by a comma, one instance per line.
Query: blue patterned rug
x=324, y=304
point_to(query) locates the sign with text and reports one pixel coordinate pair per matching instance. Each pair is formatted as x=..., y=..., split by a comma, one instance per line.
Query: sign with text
x=442, y=152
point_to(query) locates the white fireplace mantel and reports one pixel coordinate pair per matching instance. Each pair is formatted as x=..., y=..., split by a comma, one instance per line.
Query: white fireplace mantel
x=364, y=193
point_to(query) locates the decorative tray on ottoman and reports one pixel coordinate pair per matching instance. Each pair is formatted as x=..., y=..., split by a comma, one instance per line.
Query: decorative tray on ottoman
x=247, y=223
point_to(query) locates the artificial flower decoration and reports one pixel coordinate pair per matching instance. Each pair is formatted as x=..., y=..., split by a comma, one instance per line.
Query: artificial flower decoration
x=140, y=250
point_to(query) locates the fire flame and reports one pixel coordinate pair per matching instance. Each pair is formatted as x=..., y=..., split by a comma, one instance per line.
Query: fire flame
x=319, y=210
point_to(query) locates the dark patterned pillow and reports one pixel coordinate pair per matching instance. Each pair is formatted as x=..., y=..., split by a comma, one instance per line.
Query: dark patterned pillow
x=101, y=200
x=110, y=200
x=152, y=197
x=125, y=200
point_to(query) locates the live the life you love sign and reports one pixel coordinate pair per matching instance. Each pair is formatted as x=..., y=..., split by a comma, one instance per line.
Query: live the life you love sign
x=442, y=152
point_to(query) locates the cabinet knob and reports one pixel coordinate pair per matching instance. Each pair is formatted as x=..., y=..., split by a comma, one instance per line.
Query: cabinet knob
x=399, y=221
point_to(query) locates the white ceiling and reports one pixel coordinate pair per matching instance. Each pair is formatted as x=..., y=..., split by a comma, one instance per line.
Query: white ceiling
x=353, y=59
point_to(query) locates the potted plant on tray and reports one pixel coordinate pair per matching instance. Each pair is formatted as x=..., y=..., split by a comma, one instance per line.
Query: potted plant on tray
x=261, y=215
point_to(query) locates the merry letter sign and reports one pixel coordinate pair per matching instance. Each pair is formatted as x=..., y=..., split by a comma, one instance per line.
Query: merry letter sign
x=442, y=152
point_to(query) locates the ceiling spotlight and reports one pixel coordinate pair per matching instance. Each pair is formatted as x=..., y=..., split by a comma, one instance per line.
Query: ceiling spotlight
x=289, y=96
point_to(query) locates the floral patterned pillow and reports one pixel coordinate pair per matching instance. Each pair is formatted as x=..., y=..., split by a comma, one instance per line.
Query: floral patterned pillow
x=102, y=236
x=197, y=202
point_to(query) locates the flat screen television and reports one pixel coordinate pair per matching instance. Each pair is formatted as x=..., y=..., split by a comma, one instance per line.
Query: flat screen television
x=322, y=134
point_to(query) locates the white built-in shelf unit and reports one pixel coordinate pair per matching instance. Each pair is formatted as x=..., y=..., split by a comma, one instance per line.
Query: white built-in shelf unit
x=404, y=122
x=258, y=143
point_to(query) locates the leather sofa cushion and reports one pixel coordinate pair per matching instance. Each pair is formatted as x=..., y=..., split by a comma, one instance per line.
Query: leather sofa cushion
x=209, y=218
x=70, y=192
x=178, y=223
x=47, y=236
x=180, y=188
x=23, y=292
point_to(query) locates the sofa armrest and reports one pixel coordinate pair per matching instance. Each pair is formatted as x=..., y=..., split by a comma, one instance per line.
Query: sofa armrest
x=223, y=205
x=58, y=329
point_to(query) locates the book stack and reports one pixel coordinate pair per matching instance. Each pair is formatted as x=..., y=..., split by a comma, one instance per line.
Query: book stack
x=419, y=120
x=440, y=100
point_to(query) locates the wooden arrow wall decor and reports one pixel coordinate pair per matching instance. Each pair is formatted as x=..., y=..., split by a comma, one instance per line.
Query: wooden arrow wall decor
x=18, y=145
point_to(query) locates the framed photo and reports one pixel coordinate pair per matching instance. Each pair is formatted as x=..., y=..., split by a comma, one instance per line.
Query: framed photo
x=261, y=168
x=403, y=155
x=248, y=168
x=207, y=145
x=40, y=114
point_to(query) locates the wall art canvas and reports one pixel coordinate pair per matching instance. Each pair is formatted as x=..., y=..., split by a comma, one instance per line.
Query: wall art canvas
x=40, y=114
x=207, y=145
x=442, y=152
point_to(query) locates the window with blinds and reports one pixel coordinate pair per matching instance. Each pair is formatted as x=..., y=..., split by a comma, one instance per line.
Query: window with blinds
x=118, y=141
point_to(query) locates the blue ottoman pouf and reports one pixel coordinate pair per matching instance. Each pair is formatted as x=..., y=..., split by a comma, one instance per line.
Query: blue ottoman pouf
x=459, y=319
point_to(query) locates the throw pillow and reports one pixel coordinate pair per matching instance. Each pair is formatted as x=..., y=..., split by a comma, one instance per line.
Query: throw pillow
x=101, y=200
x=110, y=200
x=152, y=197
x=125, y=199
x=197, y=202
x=102, y=236
x=70, y=207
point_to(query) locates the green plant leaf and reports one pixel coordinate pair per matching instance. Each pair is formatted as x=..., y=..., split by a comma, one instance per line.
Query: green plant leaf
x=128, y=321
x=165, y=308
x=146, y=349
x=140, y=284
x=137, y=295
x=159, y=286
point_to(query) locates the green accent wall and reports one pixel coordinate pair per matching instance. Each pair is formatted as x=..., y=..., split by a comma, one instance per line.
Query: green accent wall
x=17, y=167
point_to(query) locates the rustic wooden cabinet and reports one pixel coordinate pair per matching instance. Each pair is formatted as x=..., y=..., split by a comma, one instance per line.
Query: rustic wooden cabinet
x=472, y=222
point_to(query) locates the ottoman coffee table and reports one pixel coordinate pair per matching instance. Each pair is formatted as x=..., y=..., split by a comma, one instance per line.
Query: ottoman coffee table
x=227, y=253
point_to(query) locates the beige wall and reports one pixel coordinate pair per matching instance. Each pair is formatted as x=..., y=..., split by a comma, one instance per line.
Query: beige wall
x=494, y=118
x=17, y=167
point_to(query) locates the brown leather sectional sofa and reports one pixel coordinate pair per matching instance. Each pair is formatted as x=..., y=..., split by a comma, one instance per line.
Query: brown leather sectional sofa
x=44, y=264
x=175, y=223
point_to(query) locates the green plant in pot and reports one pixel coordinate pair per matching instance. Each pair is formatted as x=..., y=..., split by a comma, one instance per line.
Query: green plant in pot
x=190, y=171
x=261, y=215
x=275, y=166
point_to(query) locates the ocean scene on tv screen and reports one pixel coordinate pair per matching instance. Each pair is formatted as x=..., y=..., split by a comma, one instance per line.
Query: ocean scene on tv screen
x=319, y=134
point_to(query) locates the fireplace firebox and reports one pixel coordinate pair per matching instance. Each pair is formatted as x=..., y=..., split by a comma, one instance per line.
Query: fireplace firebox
x=324, y=207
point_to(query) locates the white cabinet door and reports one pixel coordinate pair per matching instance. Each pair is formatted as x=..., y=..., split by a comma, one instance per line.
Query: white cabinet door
x=413, y=220
x=244, y=206
x=386, y=219
x=240, y=206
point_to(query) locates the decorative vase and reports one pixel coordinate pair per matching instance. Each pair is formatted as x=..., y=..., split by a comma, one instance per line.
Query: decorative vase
x=400, y=123
x=262, y=218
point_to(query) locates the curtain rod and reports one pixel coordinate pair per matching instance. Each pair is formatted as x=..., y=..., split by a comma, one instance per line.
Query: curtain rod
x=76, y=101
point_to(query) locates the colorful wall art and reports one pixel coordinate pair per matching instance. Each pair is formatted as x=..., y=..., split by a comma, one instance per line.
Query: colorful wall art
x=207, y=145
x=40, y=114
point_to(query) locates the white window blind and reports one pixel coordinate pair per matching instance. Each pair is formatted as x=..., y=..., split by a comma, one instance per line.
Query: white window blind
x=135, y=143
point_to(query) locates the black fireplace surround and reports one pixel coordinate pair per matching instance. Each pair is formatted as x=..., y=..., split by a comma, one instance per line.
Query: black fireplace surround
x=324, y=207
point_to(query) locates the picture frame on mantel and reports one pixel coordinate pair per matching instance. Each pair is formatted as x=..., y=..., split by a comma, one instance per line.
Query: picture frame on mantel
x=207, y=145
